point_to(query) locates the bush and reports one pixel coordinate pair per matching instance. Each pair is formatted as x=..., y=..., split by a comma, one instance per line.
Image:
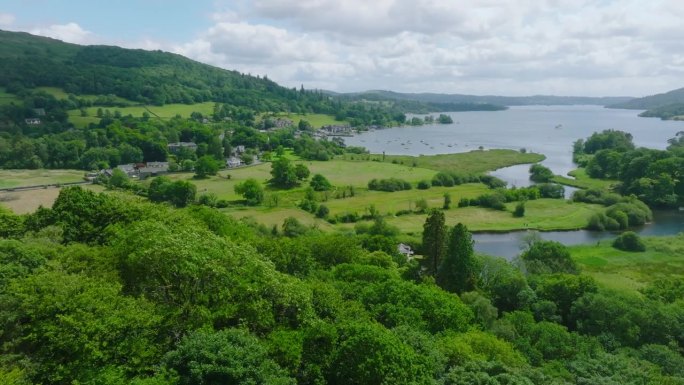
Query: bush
x=442, y=179
x=423, y=185
x=519, y=210
x=389, y=185
x=494, y=201
x=629, y=241
x=540, y=174
x=322, y=211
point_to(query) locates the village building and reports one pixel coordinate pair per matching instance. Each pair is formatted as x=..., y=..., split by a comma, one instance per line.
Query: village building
x=233, y=162
x=405, y=250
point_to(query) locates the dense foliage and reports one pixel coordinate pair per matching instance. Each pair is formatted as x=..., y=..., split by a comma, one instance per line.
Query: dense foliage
x=110, y=289
x=654, y=176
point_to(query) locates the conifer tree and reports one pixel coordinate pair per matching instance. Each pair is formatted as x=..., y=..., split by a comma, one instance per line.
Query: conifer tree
x=456, y=271
x=434, y=237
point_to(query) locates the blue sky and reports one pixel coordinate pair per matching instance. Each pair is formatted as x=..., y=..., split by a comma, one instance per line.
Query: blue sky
x=172, y=20
x=502, y=47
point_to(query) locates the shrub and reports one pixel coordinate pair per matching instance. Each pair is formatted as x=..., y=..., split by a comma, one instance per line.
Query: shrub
x=629, y=241
x=389, y=185
x=442, y=179
x=423, y=185
x=322, y=211
x=519, y=210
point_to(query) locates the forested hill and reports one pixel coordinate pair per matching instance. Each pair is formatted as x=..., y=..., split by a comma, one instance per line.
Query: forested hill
x=491, y=99
x=653, y=101
x=147, y=77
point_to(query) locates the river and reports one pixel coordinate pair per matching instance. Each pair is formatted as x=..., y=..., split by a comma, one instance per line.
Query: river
x=548, y=130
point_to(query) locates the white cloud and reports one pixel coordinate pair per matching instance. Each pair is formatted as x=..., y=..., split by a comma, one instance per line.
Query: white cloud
x=568, y=47
x=6, y=19
x=70, y=33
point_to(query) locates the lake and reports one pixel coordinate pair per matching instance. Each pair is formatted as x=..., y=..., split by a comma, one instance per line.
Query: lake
x=509, y=244
x=548, y=130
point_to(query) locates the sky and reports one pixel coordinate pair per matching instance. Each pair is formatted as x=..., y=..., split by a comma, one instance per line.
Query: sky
x=482, y=47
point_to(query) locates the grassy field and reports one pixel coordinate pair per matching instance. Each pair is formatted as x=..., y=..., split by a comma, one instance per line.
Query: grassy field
x=582, y=180
x=390, y=203
x=473, y=162
x=276, y=216
x=541, y=214
x=164, y=112
x=21, y=178
x=339, y=173
x=58, y=93
x=623, y=270
x=316, y=120
x=27, y=201
x=7, y=98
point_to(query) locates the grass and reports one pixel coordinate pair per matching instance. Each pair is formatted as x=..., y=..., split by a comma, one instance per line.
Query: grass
x=7, y=98
x=624, y=270
x=276, y=215
x=316, y=120
x=582, y=180
x=540, y=214
x=58, y=93
x=27, y=201
x=473, y=162
x=21, y=178
x=164, y=112
x=339, y=173
x=390, y=203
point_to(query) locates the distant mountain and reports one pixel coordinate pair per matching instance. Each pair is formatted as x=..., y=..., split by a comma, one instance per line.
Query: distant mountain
x=491, y=99
x=146, y=77
x=654, y=101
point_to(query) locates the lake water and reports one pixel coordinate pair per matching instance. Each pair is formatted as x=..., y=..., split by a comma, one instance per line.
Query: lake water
x=509, y=244
x=548, y=130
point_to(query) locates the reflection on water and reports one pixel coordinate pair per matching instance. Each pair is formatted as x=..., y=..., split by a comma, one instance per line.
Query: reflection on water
x=508, y=245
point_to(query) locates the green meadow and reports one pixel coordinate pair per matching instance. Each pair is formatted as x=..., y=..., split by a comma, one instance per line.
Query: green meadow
x=582, y=180
x=167, y=111
x=21, y=178
x=473, y=162
x=7, y=98
x=628, y=270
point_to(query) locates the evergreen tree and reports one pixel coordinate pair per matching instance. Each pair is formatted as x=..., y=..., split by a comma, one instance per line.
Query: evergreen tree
x=434, y=236
x=457, y=269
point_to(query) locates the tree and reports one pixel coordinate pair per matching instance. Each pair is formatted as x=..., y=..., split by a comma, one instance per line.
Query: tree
x=251, y=190
x=447, y=201
x=206, y=165
x=301, y=171
x=283, y=172
x=320, y=183
x=181, y=193
x=434, y=236
x=457, y=270
x=548, y=257
x=231, y=356
x=118, y=179
x=540, y=173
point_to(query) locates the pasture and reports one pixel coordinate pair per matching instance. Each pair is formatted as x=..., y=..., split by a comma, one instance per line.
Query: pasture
x=628, y=270
x=473, y=162
x=27, y=201
x=584, y=181
x=22, y=178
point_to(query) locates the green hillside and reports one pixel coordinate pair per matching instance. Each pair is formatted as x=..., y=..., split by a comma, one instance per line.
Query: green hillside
x=653, y=101
x=146, y=77
x=668, y=112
